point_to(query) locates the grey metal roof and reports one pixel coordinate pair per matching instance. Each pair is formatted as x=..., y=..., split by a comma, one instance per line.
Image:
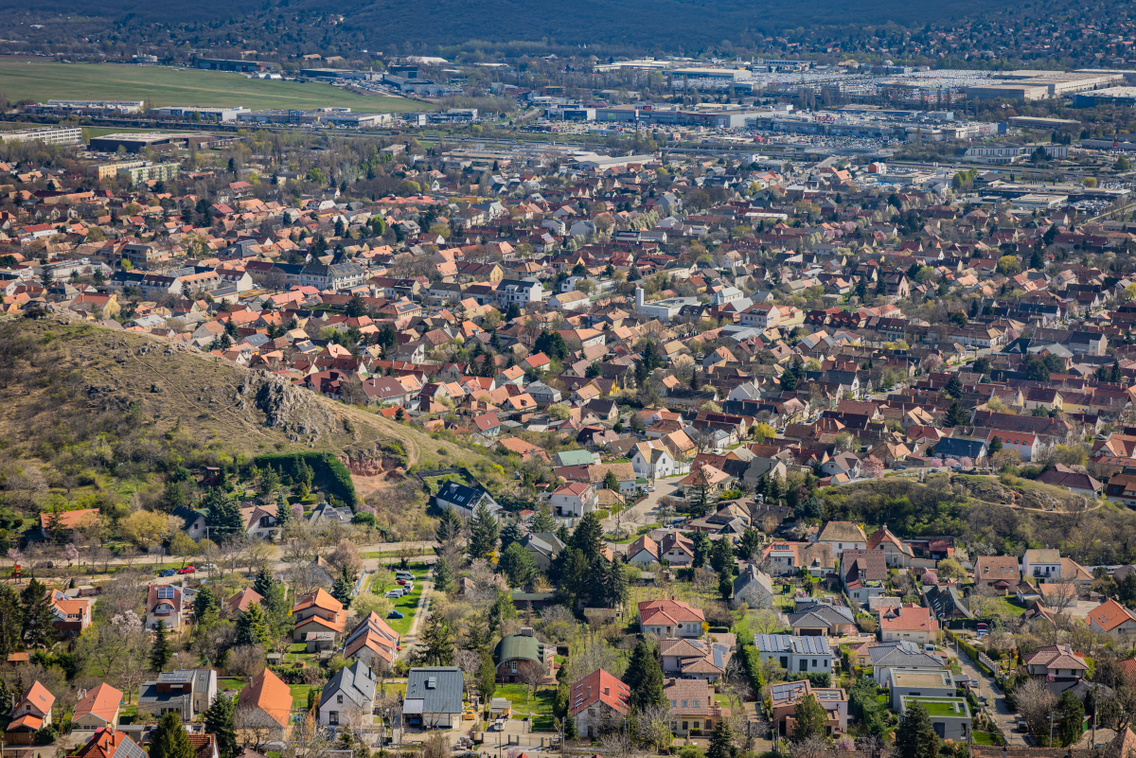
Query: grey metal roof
x=786, y=643
x=355, y=682
x=438, y=687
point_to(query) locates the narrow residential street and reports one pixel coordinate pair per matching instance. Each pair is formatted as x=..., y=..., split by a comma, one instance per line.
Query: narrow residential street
x=998, y=709
x=409, y=639
x=643, y=512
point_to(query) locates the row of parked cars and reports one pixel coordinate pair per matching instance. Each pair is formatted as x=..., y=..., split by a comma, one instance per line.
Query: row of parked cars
x=405, y=586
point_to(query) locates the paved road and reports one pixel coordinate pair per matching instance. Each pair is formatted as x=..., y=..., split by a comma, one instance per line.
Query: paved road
x=998, y=709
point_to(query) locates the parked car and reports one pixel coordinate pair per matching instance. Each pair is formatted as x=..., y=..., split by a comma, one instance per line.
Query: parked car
x=209, y=567
x=395, y=593
x=187, y=570
x=166, y=572
x=1023, y=727
x=403, y=574
x=396, y=614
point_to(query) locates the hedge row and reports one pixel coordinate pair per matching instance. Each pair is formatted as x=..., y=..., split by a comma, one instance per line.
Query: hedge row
x=328, y=472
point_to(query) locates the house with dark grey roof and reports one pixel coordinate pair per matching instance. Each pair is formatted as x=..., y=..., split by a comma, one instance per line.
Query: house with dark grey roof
x=349, y=697
x=904, y=655
x=194, y=521
x=433, y=697
x=958, y=447
x=817, y=619
x=544, y=547
x=754, y=588
x=465, y=500
x=806, y=655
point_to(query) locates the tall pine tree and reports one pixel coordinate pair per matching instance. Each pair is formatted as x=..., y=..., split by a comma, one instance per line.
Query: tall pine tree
x=344, y=588
x=915, y=737
x=484, y=532
x=169, y=739
x=11, y=621
x=37, y=628
x=644, y=677
x=253, y=627
x=221, y=722
x=588, y=536
x=160, y=653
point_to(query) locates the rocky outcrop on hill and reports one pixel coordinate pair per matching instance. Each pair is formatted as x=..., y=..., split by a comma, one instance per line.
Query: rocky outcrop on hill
x=284, y=406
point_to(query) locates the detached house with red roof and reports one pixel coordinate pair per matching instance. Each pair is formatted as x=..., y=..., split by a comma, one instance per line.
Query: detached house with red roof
x=909, y=622
x=598, y=703
x=99, y=708
x=671, y=618
x=266, y=705
x=1113, y=619
x=32, y=713
x=109, y=743
x=1057, y=663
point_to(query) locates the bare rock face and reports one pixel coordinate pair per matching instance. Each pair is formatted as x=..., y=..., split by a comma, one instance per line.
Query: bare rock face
x=284, y=406
x=370, y=464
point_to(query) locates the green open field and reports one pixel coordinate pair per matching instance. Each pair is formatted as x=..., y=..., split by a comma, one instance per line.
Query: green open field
x=39, y=80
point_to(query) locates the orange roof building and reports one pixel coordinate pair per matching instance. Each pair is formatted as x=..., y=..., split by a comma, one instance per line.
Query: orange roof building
x=268, y=697
x=98, y=708
x=32, y=713
x=595, y=699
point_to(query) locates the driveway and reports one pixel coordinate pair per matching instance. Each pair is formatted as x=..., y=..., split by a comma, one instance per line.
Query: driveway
x=645, y=511
x=998, y=710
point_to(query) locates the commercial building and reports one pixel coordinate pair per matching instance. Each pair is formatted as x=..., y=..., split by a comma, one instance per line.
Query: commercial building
x=203, y=113
x=88, y=106
x=61, y=136
x=1039, y=85
x=221, y=64
x=137, y=142
x=1108, y=96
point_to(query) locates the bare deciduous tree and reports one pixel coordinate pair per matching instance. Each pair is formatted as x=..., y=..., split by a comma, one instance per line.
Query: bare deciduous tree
x=1035, y=702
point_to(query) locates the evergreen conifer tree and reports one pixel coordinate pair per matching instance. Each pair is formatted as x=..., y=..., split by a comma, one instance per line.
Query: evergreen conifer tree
x=160, y=653
x=170, y=739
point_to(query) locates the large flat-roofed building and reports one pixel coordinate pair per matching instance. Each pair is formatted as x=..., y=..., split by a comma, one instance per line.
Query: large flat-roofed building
x=136, y=143
x=89, y=106
x=1008, y=91
x=1107, y=96
x=353, y=119
x=61, y=136
x=222, y=64
x=203, y=113
x=1039, y=84
x=108, y=170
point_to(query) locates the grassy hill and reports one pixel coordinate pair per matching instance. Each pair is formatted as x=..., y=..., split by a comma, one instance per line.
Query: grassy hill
x=94, y=417
x=40, y=80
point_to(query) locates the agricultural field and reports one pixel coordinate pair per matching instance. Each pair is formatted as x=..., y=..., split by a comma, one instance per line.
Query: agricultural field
x=39, y=80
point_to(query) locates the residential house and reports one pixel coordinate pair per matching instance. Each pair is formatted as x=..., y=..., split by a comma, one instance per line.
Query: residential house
x=433, y=697
x=1113, y=619
x=315, y=613
x=676, y=549
x=598, y=703
x=651, y=460
x=517, y=657
x=904, y=655
x=863, y=573
x=644, y=551
x=789, y=558
x=695, y=659
x=109, y=743
x=32, y=712
x=998, y=571
x=372, y=641
x=264, y=707
x=814, y=618
x=573, y=499
x=186, y=692
x=693, y=710
x=784, y=697
x=919, y=683
x=98, y=708
x=465, y=500
x=897, y=554
x=806, y=655
x=1040, y=564
x=910, y=622
x=544, y=547
x=349, y=697
x=671, y=618
x=754, y=588
x=950, y=716
x=1057, y=664
x=843, y=535
x=165, y=604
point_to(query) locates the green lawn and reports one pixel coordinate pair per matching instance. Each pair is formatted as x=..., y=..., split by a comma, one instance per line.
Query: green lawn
x=299, y=695
x=983, y=738
x=408, y=604
x=539, y=705
x=41, y=80
x=229, y=683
